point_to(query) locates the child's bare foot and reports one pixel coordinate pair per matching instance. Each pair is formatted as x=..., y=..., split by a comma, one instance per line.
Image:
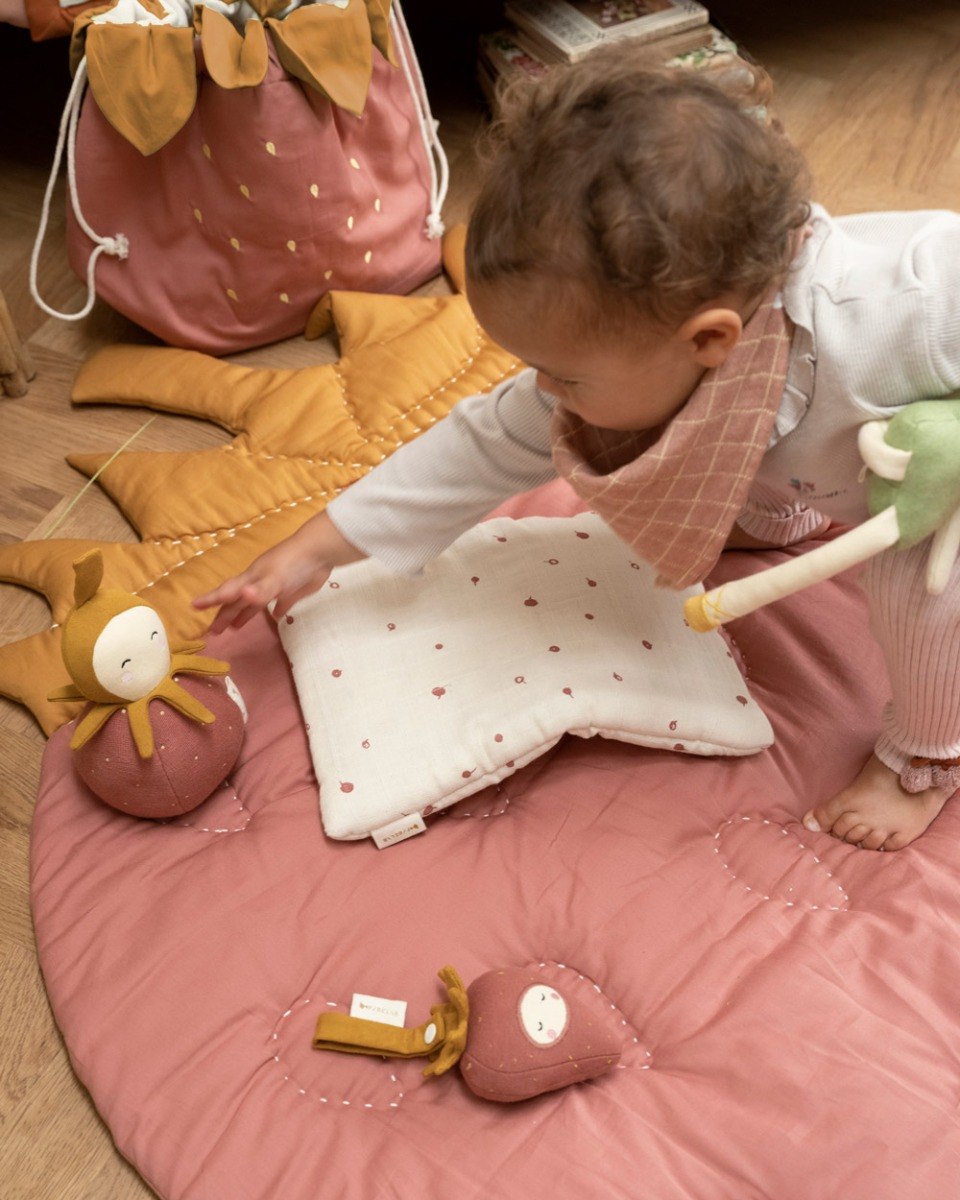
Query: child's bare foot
x=875, y=812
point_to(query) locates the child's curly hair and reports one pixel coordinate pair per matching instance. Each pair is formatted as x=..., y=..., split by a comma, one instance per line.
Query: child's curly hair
x=634, y=193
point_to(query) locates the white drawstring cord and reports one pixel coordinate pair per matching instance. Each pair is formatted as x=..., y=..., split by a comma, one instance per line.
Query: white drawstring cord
x=428, y=126
x=117, y=246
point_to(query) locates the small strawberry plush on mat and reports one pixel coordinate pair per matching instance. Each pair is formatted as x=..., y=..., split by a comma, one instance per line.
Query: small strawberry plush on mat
x=513, y=1032
x=158, y=762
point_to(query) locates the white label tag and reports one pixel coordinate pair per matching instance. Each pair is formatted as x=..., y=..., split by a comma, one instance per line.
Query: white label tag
x=375, y=1008
x=398, y=831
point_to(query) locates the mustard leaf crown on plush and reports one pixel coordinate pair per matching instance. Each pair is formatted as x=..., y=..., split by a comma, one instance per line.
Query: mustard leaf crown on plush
x=116, y=652
x=94, y=609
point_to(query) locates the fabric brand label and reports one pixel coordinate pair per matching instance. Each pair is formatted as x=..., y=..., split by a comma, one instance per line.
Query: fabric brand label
x=375, y=1008
x=398, y=831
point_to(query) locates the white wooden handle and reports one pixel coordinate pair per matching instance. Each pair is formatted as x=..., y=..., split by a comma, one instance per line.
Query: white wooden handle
x=742, y=596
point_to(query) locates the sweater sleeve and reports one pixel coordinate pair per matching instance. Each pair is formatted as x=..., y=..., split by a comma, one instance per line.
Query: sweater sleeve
x=429, y=491
x=776, y=519
x=936, y=260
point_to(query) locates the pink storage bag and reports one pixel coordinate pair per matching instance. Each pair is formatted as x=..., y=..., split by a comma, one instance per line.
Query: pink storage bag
x=267, y=197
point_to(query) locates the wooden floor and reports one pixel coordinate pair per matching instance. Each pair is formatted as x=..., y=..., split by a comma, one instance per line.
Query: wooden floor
x=869, y=91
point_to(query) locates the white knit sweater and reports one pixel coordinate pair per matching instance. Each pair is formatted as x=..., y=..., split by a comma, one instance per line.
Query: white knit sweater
x=874, y=302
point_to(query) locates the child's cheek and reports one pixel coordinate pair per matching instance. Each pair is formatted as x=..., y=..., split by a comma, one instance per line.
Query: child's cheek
x=547, y=383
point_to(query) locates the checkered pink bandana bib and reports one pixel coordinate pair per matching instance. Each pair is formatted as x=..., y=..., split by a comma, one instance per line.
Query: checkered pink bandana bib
x=674, y=494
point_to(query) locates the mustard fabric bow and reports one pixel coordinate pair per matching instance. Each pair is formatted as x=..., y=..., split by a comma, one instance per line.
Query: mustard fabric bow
x=144, y=76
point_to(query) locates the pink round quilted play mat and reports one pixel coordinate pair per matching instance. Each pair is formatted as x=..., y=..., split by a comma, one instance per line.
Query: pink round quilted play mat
x=786, y=1004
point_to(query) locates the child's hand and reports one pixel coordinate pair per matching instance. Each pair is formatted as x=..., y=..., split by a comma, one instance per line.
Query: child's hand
x=286, y=573
x=269, y=577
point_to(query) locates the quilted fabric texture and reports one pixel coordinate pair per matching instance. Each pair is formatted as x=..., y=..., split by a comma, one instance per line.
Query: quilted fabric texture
x=786, y=1003
x=302, y=436
x=419, y=692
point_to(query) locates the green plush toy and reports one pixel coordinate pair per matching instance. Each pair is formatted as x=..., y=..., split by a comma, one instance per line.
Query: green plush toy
x=921, y=445
x=913, y=471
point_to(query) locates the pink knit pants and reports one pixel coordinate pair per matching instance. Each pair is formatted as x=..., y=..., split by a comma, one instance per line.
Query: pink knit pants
x=920, y=638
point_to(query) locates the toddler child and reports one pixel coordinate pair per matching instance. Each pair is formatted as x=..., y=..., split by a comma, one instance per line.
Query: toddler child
x=703, y=345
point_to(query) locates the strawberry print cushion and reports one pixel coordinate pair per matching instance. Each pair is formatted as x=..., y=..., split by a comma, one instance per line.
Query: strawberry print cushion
x=419, y=692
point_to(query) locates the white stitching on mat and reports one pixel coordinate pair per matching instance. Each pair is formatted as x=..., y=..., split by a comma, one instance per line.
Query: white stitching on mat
x=462, y=816
x=803, y=846
x=206, y=829
x=358, y=1104
x=623, y=1020
x=218, y=534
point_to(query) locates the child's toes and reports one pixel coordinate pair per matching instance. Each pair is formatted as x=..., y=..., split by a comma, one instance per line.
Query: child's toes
x=875, y=840
x=853, y=833
x=834, y=818
x=822, y=818
x=897, y=841
x=840, y=821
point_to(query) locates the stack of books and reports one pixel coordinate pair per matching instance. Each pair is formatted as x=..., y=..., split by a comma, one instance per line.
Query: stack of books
x=566, y=30
x=674, y=33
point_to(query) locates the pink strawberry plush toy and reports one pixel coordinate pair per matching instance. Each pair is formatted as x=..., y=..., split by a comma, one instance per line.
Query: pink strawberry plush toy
x=161, y=729
x=513, y=1032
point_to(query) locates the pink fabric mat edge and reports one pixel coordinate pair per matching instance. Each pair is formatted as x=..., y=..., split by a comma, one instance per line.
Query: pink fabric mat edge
x=792, y=998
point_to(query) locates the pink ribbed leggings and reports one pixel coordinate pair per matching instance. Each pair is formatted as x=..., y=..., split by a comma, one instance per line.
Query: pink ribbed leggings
x=920, y=638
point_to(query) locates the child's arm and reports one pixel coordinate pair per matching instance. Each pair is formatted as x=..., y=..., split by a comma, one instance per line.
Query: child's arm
x=772, y=521
x=433, y=489
x=412, y=506
x=740, y=539
x=287, y=572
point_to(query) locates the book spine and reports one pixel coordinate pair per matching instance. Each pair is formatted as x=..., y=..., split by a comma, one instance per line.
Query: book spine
x=505, y=55
x=560, y=24
x=574, y=34
x=658, y=25
x=540, y=48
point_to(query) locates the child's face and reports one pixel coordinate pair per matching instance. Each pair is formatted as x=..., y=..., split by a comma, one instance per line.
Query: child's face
x=633, y=384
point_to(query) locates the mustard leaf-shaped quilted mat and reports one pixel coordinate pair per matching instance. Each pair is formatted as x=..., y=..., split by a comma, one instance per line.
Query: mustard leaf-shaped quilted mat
x=301, y=437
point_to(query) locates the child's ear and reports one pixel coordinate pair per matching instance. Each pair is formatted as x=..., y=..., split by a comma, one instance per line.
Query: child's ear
x=709, y=336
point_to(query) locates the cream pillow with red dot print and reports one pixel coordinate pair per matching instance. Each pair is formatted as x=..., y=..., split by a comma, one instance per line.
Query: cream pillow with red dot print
x=419, y=692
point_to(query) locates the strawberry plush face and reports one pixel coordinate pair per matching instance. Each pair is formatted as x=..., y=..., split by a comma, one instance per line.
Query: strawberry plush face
x=131, y=656
x=544, y=1015
x=526, y=1036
